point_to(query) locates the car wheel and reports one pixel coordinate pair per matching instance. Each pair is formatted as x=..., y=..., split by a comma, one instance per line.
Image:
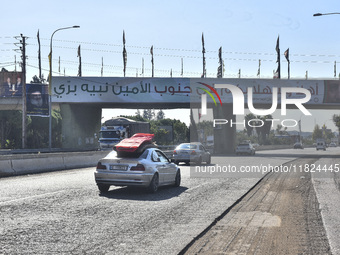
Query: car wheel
x=103, y=187
x=178, y=178
x=199, y=161
x=209, y=160
x=153, y=187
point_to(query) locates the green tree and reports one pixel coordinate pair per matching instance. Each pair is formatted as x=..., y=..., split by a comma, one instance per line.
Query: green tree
x=36, y=79
x=148, y=114
x=280, y=130
x=179, y=129
x=336, y=120
x=37, y=131
x=207, y=127
x=136, y=117
x=10, y=129
x=263, y=127
x=160, y=115
x=327, y=133
x=317, y=132
x=247, y=118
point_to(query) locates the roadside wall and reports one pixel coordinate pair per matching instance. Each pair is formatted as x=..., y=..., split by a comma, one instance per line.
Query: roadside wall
x=11, y=165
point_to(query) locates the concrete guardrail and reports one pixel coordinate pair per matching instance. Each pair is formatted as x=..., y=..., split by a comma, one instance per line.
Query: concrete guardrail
x=11, y=165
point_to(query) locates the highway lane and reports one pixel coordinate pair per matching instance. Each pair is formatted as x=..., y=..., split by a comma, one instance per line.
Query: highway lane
x=63, y=212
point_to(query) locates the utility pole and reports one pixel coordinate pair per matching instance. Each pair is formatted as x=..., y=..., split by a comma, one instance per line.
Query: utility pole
x=22, y=44
x=23, y=68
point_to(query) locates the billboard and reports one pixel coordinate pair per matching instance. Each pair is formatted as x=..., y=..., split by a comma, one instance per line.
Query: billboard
x=332, y=92
x=37, y=99
x=10, y=84
x=182, y=90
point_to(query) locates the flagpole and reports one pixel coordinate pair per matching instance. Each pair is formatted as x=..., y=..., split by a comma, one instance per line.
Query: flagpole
x=39, y=55
x=286, y=53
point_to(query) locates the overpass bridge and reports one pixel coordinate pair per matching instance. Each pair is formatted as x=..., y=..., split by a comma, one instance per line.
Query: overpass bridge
x=81, y=100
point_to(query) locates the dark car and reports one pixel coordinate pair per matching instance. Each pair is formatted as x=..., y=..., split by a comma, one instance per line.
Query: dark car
x=298, y=146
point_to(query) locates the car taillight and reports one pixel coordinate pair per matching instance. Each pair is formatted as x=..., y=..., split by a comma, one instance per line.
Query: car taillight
x=175, y=152
x=101, y=166
x=193, y=153
x=138, y=167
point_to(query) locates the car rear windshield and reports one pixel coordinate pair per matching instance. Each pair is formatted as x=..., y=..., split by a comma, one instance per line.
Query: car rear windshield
x=187, y=146
x=143, y=155
x=244, y=144
x=109, y=134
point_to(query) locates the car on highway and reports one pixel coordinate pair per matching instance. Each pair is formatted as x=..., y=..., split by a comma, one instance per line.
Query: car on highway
x=191, y=152
x=332, y=145
x=245, y=148
x=150, y=169
x=298, y=145
x=320, y=145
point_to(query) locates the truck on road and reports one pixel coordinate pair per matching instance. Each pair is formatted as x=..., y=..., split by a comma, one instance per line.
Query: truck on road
x=119, y=128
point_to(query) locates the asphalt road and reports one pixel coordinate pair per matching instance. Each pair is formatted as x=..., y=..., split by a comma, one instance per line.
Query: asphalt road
x=63, y=212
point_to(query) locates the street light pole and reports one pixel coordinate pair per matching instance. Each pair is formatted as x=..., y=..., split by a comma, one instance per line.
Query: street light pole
x=50, y=88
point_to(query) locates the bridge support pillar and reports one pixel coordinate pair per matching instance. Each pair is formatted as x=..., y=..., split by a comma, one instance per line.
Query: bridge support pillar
x=224, y=134
x=80, y=126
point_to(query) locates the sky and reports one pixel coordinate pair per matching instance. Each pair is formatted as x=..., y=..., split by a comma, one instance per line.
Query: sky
x=246, y=30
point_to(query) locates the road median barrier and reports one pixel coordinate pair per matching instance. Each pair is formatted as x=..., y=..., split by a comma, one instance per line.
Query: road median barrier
x=11, y=165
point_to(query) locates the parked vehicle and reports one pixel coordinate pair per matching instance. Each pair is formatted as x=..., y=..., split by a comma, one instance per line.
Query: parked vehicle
x=149, y=169
x=191, y=152
x=245, y=148
x=298, y=145
x=117, y=129
x=320, y=144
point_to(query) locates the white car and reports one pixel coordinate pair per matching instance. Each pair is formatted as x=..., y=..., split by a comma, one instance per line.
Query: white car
x=245, y=148
x=332, y=145
x=149, y=169
x=321, y=145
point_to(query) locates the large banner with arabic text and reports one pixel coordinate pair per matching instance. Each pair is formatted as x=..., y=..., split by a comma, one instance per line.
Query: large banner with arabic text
x=183, y=90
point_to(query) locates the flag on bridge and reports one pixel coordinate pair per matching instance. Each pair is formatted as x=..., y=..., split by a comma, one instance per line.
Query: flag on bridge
x=79, y=56
x=203, y=52
x=220, y=67
x=259, y=69
x=124, y=54
x=277, y=74
x=102, y=69
x=151, y=52
x=39, y=54
x=287, y=57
